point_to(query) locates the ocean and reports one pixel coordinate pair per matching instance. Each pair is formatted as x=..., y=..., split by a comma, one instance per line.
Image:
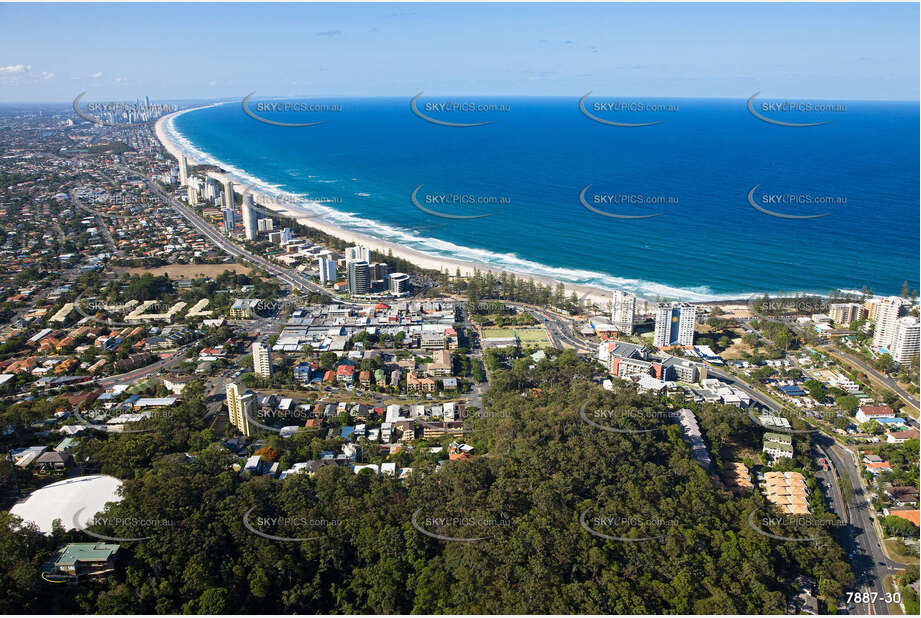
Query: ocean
x=528, y=168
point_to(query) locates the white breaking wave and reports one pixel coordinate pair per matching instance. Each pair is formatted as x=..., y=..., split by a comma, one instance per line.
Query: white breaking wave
x=437, y=247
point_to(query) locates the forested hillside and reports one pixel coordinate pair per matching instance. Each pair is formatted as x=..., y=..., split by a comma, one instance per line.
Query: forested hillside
x=545, y=467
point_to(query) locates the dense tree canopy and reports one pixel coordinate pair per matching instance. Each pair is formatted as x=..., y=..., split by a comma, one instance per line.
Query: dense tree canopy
x=545, y=468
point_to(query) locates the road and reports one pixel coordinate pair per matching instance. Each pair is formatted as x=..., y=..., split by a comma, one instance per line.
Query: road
x=739, y=383
x=291, y=277
x=133, y=376
x=870, y=564
x=884, y=379
x=860, y=537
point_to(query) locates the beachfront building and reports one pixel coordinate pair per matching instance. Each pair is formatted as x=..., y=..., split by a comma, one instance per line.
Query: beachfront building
x=906, y=343
x=327, y=268
x=281, y=237
x=359, y=277
x=674, y=324
x=240, y=407
x=265, y=225
x=845, y=313
x=262, y=359
x=888, y=311
x=623, y=305
x=250, y=226
x=229, y=201
x=357, y=254
x=399, y=284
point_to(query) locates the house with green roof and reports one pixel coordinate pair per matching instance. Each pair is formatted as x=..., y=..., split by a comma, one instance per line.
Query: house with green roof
x=85, y=559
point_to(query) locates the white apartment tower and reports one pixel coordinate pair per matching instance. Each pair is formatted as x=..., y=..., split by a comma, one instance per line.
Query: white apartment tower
x=192, y=195
x=674, y=324
x=240, y=407
x=250, y=226
x=357, y=254
x=262, y=359
x=906, y=343
x=228, y=195
x=327, y=268
x=888, y=312
x=623, y=305
x=183, y=170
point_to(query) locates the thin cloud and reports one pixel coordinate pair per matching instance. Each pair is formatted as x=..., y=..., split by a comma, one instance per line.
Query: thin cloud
x=329, y=33
x=14, y=69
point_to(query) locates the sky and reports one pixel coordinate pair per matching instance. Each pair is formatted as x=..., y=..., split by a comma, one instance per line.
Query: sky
x=53, y=52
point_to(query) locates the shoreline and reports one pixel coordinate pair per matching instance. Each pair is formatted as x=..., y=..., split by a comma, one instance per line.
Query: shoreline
x=599, y=296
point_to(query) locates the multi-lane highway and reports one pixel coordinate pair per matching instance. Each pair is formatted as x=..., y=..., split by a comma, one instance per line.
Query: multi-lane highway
x=291, y=277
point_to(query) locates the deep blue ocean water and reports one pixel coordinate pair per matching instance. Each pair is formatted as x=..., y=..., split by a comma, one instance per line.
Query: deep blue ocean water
x=707, y=241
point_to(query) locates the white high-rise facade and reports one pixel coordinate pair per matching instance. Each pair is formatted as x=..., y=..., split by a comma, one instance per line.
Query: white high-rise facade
x=262, y=359
x=229, y=202
x=357, y=254
x=888, y=312
x=250, y=226
x=240, y=407
x=212, y=188
x=623, y=305
x=183, y=170
x=327, y=268
x=906, y=343
x=192, y=195
x=674, y=324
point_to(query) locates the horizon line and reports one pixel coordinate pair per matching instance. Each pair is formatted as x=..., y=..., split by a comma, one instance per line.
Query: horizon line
x=230, y=99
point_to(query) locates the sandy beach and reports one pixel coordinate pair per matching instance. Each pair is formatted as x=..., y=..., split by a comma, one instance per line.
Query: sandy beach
x=599, y=296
